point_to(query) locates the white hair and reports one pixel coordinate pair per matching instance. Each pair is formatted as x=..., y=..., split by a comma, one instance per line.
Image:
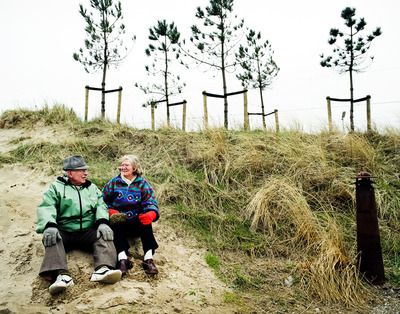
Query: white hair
x=137, y=168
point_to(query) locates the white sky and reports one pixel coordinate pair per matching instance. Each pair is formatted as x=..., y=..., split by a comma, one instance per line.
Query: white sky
x=39, y=37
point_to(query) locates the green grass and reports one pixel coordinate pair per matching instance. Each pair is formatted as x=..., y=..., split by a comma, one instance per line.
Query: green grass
x=213, y=262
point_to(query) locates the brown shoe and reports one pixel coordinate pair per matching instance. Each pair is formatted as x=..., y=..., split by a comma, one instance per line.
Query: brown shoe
x=124, y=265
x=149, y=267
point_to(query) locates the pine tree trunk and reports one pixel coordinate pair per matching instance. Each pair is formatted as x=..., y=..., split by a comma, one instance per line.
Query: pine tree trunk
x=103, y=83
x=166, y=82
x=262, y=109
x=351, y=83
x=224, y=83
x=261, y=95
x=103, y=95
x=351, y=102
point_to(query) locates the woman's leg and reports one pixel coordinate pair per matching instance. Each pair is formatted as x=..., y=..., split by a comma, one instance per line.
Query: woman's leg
x=120, y=238
x=147, y=237
x=121, y=243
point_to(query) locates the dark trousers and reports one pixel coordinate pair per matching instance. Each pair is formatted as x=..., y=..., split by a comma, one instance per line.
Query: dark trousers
x=131, y=229
x=55, y=257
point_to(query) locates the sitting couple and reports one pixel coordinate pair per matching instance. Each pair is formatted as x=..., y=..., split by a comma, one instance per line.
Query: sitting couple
x=75, y=214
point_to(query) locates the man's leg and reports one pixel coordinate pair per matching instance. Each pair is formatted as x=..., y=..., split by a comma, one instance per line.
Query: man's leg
x=104, y=253
x=54, y=266
x=105, y=258
x=55, y=259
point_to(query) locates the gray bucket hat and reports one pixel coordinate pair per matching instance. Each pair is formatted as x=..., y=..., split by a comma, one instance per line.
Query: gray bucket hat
x=74, y=162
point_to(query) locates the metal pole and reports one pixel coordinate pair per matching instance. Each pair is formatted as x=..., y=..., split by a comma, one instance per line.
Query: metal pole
x=368, y=239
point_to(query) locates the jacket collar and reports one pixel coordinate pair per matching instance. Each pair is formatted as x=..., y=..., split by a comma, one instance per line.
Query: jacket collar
x=66, y=182
x=119, y=178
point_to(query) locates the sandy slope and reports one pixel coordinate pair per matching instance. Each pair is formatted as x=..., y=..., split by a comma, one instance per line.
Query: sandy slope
x=185, y=283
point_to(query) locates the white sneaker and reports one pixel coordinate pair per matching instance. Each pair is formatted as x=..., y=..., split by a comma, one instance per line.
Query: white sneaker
x=106, y=275
x=61, y=283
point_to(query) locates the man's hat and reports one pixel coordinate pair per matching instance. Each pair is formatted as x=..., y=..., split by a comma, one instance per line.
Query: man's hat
x=74, y=162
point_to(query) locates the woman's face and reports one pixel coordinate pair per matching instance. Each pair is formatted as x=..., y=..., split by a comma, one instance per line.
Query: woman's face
x=126, y=168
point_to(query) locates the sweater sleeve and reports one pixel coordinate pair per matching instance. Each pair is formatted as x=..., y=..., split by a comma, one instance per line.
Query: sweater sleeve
x=149, y=201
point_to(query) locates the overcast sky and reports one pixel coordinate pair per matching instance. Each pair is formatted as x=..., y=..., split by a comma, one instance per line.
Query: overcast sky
x=39, y=37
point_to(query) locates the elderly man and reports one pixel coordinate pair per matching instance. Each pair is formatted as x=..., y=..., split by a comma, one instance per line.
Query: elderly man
x=73, y=215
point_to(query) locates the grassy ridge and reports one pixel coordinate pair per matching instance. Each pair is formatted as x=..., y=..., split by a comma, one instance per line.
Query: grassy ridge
x=267, y=206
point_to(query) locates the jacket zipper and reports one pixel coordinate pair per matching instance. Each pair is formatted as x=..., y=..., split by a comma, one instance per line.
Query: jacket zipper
x=80, y=205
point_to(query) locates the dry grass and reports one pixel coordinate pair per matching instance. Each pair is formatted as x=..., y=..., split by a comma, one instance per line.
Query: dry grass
x=280, y=209
x=266, y=205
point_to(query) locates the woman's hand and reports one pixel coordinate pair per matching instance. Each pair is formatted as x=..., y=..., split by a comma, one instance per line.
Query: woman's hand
x=147, y=218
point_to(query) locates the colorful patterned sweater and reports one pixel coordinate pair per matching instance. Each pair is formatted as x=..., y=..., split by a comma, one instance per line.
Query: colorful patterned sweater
x=137, y=198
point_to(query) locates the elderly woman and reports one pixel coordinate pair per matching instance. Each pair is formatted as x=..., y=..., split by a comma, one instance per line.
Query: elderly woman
x=132, y=207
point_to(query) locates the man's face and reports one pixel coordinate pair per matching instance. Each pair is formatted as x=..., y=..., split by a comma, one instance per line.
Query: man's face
x=77, y=177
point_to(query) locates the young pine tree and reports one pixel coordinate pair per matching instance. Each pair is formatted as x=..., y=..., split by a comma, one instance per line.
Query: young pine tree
x=104, y=30
x=166, y=40
x=351, y=53
x=259, y=68
x=215, y=42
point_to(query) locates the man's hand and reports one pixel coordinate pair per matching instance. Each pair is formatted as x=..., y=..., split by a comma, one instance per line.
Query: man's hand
x=50, y=236
x=147, y=219
x=106, y=232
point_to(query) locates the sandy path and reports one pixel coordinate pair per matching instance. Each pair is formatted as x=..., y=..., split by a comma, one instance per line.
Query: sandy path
x=185, y=283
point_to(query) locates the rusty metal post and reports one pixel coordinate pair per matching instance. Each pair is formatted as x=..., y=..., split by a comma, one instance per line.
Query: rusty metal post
x=368, y=239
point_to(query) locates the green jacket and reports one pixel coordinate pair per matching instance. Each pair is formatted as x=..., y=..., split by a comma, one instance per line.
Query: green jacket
x=70, y=209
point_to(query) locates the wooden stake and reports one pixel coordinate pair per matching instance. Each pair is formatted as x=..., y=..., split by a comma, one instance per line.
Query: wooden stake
x=328, y=102
x=152, y=116
x=246, y=122
x=369, y=113
x=276, y=121
x=205, y=110
x=184, y=116
x=86, y=102
x=119, y=104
